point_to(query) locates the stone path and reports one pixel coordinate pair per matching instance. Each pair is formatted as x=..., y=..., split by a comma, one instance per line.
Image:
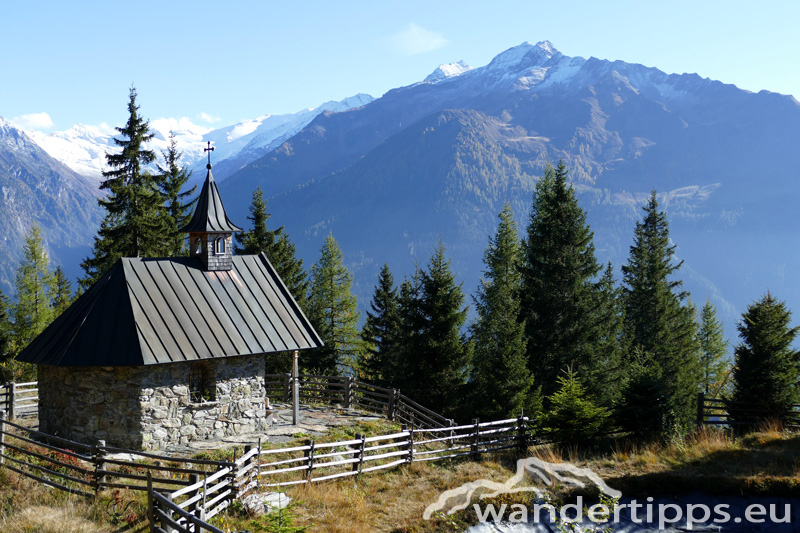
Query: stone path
x=313, y=422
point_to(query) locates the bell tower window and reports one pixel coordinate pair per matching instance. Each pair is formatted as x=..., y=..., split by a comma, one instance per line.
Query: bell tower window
x=198, y=245
x=219, y=246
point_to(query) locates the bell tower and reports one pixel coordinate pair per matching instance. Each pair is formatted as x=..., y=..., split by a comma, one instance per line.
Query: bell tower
x=210, y=230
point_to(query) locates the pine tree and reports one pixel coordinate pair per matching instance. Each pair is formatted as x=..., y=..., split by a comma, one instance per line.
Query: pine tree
x=503, y=384
x=134, y=224
x=34, y=284
x=62, y=292
x=657, y=325
x=171, y=179
x=767, y=368
x=381, y=333
x=333, y=312
x=439, y=367
x=559, y=291
x=713, y=351
x=276, y=244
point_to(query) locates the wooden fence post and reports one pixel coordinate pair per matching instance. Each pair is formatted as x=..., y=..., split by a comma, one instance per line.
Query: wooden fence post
x=522, y=434
x=257, y=469
x=11, y=398
x=2, y=436
x=203, y=500
x=309, y=458
x=411, y=445
x=451, y=433
x=99, y=466
x=358, y=465
x=348, y=391
x=701, y=409
x=287, y=387
x=392, y=400
x=476, y=436
x=167, y=527
x=151, y=516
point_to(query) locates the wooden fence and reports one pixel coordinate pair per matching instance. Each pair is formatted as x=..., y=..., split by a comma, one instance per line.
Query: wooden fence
x=727, y=413
x=348, y=392
x=19, y=399
x=188, y=509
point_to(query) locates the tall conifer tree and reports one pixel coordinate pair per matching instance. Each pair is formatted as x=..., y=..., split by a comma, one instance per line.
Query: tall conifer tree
x=657, y=324
x=35, y=287
x=62, y=288
x=381, y=333
x=559, y=289
x=713, y=351
x=276, y=244
x=5, y=330
x=503, y=383
x=171, y=179
x=333, y=311
x=134, y=224
x=767, y=369
x=439, y=365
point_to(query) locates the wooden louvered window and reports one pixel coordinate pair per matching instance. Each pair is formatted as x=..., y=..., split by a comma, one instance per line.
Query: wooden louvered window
x=202, y=387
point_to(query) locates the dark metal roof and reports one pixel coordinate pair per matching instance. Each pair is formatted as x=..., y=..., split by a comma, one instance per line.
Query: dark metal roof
x=153, y=311
x=209, y=215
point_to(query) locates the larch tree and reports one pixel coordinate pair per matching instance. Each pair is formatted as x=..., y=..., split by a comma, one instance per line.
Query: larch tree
x=659, y=327
x=381, y=333
x=504, y=385
x=171, y=179
x=35, y=287
x=134, y=224
x=713, y=351
x=559, y=289
x=280, y=250
x=767, y=367
x=333, y=312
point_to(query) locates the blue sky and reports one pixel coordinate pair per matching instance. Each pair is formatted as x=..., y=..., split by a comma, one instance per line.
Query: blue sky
x=219, y=62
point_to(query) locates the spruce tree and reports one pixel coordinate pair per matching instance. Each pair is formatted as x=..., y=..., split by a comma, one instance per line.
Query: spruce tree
x=35, y=287
x=134, y=224
x=381, y=333
x=62, y=292
x=767, y=367
x=573, y=417
x=5, y=329
x=603, y=374
x=713, y=351
x=276, y=244
x=503, y=384
x=171, y=179
x=333, y=312
x=439, y=365
x=558, y=285
x=657, y=324
x=411, y=322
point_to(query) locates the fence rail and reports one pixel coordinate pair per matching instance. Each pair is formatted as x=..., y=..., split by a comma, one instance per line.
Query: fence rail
x=19, y=399
x=728, y=413
x=187, y=509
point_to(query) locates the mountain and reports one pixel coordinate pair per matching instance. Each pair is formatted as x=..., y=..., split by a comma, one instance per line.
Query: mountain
x=83, y=148
x=37, y=188
x=437, y=159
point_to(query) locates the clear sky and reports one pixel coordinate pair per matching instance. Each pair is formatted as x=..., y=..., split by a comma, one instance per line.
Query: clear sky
x=217, y=63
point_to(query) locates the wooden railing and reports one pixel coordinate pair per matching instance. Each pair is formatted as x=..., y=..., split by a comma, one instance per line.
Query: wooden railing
x=728, y=413
x=188, y=509
x=348, y=392
x=19, y=399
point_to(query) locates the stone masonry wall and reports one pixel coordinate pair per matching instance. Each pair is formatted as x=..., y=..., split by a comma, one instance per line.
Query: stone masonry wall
x=149, y=407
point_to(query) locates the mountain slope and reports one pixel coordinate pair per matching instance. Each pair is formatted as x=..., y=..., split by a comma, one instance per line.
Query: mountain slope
x=38, y=189
x=438, y=158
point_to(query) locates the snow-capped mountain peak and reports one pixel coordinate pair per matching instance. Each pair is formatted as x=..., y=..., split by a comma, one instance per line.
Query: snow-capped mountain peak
x=447, y=70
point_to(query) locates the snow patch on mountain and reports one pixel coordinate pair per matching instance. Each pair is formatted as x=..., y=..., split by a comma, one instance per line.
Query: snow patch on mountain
x=83, y=147
x=447, y=70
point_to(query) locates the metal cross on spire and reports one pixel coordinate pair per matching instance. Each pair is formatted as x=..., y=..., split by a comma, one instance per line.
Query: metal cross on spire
x=209, y=150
